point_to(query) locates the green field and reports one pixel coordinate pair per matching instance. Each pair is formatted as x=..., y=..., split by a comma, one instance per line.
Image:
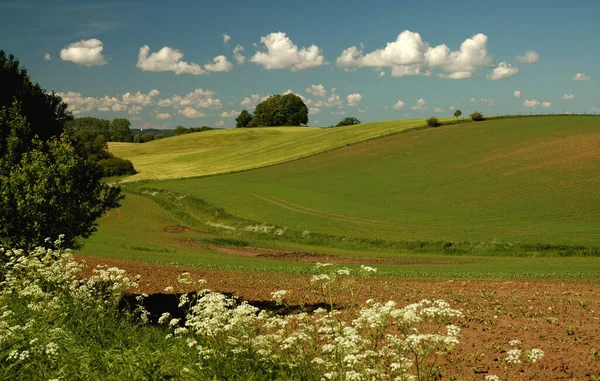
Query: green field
x=506, y=197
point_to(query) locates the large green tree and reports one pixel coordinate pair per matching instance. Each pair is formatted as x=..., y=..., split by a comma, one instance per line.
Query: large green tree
x=45, y=112
x=243, y=119
x=100, y=126
x=120, y=130
x=278, y=110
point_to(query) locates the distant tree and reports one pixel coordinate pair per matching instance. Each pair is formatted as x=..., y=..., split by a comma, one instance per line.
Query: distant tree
x=243, y=119
x=433, y=122
x=46, y=113
x=180, y=130
x=457, y=113
x=120, y=130
x=100, y=126
x=277, y=110
x=115, y=166
x=477, y=116
x=349, y=121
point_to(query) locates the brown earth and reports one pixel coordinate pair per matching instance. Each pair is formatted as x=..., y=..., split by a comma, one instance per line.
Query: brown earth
x=559, y=316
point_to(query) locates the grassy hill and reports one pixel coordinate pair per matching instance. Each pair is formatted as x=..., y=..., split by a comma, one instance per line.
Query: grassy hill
x=223, y=151
x=529, y=180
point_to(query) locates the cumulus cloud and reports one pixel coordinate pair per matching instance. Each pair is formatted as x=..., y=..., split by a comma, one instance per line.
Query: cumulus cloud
x=314, y=110
x=84, y=52
x=237, y=54
x=568, y=96
x=251, y=101
x=473, y=100
x=502, y=71
x=140, y=98
x=226, y=38
x=317, y=90
x=397, y=106
x=438, y=109
x=163, y=116
x=221, y=65
x=220, y=123
x=282, y=53
x=354, y=99
x=230, y=114
x=79, y=104
x=47, y=57
x=333, y=100
x=529, y=57
x=190, y=112
x=489, y=102
x=338, y=112
x=166, y=59
x=134, y=110
x=581, y=77
x=421, y=105
x=546, y=104
x=531, y=103
x=201, y=98
x=410, y=55
x=517, y=94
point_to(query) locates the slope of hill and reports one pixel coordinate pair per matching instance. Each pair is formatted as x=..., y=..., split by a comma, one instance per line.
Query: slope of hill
x=512, y=180
x=214, y=152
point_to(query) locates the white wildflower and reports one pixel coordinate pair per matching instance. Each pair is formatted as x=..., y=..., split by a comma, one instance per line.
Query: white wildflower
x=513, y=356
x=491, y=377
x=169, y=289
x=535, y=355
x=368, y=269
x=514, y=343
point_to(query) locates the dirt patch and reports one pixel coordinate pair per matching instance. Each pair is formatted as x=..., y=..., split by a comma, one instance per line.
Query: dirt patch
x=561, y=317
x=178, y=229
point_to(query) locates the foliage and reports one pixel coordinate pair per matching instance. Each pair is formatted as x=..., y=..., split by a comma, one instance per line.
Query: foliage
x=115, y=166
x=433, y=122
x=349, y=121
x=181, y=130
x=47, y=189
x=277, y=110
x=120, y=130
x=243, y=119
x=457, y=113
x=97, y=125
x=90, y=144
x=477, y=116
x=46, y=113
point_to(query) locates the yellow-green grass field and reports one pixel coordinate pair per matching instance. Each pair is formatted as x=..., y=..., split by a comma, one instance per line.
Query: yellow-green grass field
x=223, y=151
x=532, y=180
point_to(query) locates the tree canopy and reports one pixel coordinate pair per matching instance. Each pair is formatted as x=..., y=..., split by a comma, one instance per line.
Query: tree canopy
x=278, y=110
x=349, y=121
x=243, y=119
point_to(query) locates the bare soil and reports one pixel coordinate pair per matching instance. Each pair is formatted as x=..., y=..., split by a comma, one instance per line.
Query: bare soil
x=559, y=316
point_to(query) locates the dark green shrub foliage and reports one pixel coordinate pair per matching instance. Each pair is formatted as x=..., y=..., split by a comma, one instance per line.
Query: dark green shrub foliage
x=349, y=121
x=433, y=122
x=477, y=116
x=243, y=119
x=115, y=166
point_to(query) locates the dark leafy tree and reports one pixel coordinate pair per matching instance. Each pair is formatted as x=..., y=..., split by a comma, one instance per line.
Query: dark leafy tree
x=90, y=144
x=349, y=121
x=45, y=112
x=294, y=110
x=120, y=130
x=277, y=110
x=100, y=126
x=433, y=122
x=243, y=119
x=477, y=116
x=457, y=113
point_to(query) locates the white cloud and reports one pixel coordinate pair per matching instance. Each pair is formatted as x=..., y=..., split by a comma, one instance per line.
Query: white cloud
x=230, y=114
x=221, y=65
x=438, y=109
x=134, y=110
x=163, y=116
x=410, y=55
x=190, y=112
x=226, y=38
x=314, y=110
x=489, y=102
x=282, y=53
x=421, y=105
x=473, y=100
x=251, y=101
x=338, y=112
x=502, y=71
x=166, y=59
x=531, y=103
x=354, y=99
x=237, y=54
x=317, y=90
x=201, y=98
x=529, y=57
x=333, y=100
x=220, y=123
x=117, y=107
x=568, y=96
x=381, y=74
x=397, y=106
x=47, y=57
x=517, y=94
x=546, y=104
x=139, y=98
x=84, y=52
x=361, y=110
x=581, y=77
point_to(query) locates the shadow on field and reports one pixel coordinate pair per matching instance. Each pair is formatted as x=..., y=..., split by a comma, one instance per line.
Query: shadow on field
x=157, y=304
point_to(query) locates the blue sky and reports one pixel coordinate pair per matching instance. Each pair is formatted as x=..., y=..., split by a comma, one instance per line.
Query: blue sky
x=162, y=64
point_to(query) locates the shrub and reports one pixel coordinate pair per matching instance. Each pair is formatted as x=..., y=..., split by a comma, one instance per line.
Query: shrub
x=115, y=166
x=349, y=121
x=433, y=122
x=477, y=116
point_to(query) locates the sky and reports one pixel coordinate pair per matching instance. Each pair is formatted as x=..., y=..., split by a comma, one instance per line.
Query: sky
x=192, y=63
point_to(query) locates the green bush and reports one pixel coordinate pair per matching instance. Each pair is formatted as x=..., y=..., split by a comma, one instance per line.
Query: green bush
x=433, y=122
x=349, y=121
x=477, y=116
x=115, y=166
